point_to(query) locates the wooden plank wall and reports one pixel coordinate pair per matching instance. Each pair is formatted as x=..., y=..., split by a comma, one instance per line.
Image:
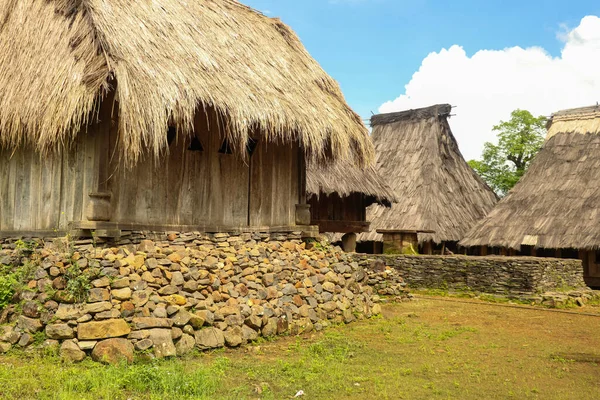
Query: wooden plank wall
x=182, y=188
x=274, y=185
x=208, y=188
x=46, y=192
x=334, y=208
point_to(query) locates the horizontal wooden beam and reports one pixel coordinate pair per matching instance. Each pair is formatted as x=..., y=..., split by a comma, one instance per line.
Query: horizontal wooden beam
x=404, y=231
x=342, y=226
x=307, y=230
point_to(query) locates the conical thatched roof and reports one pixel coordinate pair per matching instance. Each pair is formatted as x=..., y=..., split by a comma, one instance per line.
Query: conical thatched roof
x=437, y=190
x=557, y=203
x=345, y=178
x=165, y=60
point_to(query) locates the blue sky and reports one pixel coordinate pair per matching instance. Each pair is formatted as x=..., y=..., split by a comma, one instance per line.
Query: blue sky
x=374, y=47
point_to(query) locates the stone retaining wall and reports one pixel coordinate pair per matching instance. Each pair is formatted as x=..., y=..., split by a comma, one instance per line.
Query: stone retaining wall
x=175, y=292
x=494, y=275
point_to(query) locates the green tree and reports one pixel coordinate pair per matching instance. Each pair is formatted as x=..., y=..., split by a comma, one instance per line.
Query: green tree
x=519, y=140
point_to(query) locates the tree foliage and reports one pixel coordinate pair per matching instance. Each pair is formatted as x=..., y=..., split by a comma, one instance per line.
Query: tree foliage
x=519, y=140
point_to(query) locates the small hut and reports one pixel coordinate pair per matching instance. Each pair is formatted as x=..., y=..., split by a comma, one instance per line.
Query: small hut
x=135, y=115
x=339, y=195
x=554, y=210
x=439, y=196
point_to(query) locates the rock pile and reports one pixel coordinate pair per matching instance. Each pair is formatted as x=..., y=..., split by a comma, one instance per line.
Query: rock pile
x=178, y=292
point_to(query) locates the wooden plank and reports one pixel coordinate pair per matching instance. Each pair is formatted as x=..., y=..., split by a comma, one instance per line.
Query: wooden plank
x=342, y=226
x=275, y=184
x=7, y=185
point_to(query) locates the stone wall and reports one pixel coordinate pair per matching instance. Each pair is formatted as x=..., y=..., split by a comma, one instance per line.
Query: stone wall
x=167, y=293
x=494, y=275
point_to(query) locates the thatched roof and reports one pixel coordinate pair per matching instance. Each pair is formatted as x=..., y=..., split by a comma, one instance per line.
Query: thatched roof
x=345, y=178
x=437, y=190
x=557, y=202
x=165, y=60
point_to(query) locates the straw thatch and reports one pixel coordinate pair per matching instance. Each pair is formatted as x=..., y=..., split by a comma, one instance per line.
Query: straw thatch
x=437, y=190
x=557, y=203
x=345, y=178
x=166, y=60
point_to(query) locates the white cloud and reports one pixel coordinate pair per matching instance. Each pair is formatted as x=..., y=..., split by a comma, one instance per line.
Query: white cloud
x=489, y=85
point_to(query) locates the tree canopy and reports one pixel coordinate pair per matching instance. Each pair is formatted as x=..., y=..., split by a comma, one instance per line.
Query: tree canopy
x=519, y=139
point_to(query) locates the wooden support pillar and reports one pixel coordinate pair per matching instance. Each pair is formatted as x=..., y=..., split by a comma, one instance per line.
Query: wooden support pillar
x=483, y=251
x=428, y=247
x=349, y=242
x=401, y=241
x=533, y=251
x=503, y=251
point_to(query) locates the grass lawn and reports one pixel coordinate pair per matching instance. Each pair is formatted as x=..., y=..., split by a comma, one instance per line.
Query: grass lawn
x=426, y=349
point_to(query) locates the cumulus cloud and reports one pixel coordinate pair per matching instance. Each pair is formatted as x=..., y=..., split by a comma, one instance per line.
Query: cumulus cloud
x=488, y=85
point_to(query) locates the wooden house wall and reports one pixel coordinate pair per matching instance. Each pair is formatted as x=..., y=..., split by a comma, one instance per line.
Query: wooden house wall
x=335, y=208
x=47, y=192
x=188, y=188
x=207, y=188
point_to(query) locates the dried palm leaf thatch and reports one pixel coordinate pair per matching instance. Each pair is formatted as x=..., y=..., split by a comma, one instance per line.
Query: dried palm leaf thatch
x=345, y=178
x=166, y=60
x=436, y=189
x=578, y=120
x=556, y=204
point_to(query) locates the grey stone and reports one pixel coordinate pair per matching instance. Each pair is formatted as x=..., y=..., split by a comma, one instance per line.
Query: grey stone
x=4, y=347
x=177, y=279
x=70, y=351
x=185, y=345
x=30, y=325
x=209, y=338
x=59, y=331
x=149, y=322
x=98, y=294
x=181, y=318
x=121, y=294
x=163, y=343
x=233, y=336
x=25, y=340
x=143, y=344
x=167, y=290
x=113, y=351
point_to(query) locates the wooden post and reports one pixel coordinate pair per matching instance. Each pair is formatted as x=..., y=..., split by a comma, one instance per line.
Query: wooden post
x=400, y=241
x=484, y=251
x=349, y=242
x=428, y=247
x=503, y=251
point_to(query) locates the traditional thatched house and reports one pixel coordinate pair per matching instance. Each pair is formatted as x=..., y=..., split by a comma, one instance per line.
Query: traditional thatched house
x=439, y=196
x=164, y=115
x=339, y=194
x=554, y=210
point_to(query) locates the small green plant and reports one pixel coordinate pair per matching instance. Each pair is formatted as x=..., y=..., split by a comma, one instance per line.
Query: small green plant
x=8, y=284
x=25, y=247
x=78, y=283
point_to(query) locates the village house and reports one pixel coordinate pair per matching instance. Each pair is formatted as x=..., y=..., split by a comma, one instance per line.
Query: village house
x=554, y=209
x=439, y=197
x=195, y=116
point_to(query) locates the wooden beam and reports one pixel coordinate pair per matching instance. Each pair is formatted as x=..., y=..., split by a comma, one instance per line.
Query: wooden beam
x=97, y=225
x=342, y=226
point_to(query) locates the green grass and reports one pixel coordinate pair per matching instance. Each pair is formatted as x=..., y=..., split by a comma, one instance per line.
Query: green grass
x=425, y=349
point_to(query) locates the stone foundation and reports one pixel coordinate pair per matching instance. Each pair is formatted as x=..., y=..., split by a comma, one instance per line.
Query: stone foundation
x=494, y=275
x=167, y=293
